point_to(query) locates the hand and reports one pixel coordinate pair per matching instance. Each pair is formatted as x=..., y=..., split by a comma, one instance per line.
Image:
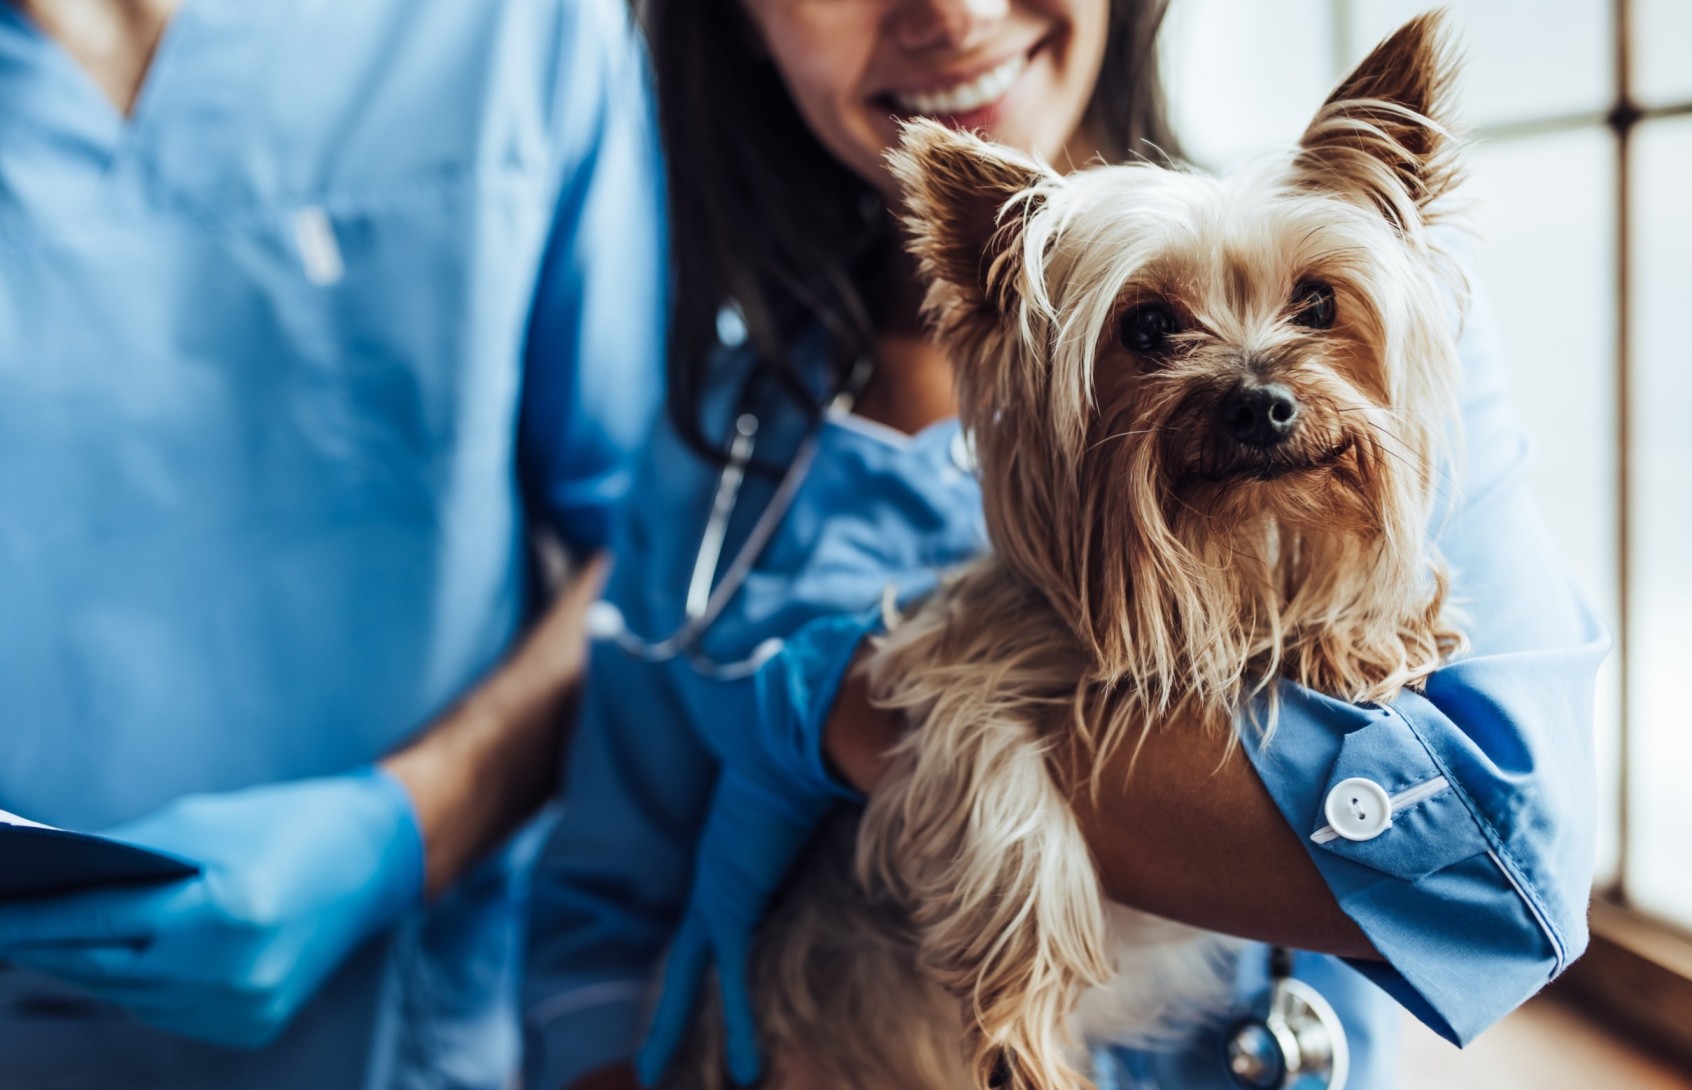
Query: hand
x=751, y=839
x=294, y=877
x=773, y=793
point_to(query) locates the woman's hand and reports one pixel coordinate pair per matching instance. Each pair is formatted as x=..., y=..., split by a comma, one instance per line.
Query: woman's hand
x=752, y=839
x=773, y=792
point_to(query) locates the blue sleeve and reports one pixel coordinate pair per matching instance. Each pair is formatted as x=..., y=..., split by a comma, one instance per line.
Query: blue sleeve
x=593, y=366
x=1475, y=894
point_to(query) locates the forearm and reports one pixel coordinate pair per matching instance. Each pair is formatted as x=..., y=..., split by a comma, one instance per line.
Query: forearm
x=488, y=763
x=1193, y=835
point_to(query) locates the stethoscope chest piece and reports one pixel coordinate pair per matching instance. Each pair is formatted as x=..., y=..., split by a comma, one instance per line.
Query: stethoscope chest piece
x=1298, y=1045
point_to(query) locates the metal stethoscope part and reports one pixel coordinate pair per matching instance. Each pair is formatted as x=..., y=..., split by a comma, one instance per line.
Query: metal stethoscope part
x=1299, y=1043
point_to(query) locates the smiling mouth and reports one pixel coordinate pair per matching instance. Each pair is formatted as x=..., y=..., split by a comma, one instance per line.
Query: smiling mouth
x=969, y=96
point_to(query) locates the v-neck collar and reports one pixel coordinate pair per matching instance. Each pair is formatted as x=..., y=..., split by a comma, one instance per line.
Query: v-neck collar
x=44, y=88
x=179, y=145
x=59, y=54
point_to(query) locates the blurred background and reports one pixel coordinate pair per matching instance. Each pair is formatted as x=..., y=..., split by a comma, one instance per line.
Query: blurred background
x=1580, y=197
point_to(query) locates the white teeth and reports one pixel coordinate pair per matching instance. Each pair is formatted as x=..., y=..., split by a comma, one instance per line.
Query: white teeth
x=983, y=90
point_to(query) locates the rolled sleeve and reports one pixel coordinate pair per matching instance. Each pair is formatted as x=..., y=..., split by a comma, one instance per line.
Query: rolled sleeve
x=593, y=367
x=1475, y=890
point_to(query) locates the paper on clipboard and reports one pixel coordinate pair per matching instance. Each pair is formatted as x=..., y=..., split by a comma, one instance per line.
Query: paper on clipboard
x=37, y=860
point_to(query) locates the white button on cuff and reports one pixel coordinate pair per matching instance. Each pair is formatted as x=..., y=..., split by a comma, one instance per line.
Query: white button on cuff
x=1358, y=809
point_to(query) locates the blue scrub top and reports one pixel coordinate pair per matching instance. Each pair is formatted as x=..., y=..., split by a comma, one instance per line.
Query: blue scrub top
x=286, y=360
x=1475, y=896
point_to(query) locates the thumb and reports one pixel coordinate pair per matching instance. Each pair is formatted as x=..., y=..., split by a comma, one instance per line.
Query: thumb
x=745, y=1063
x=690, y=955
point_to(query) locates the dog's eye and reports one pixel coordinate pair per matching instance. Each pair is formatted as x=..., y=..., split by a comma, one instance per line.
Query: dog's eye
x=1313, y=305
x=1146, y=329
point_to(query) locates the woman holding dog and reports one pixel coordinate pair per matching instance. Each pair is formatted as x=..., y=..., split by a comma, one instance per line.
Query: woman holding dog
x=721, y=722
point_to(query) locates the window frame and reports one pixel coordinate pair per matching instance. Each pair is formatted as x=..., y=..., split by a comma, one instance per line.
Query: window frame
x=1637, y=972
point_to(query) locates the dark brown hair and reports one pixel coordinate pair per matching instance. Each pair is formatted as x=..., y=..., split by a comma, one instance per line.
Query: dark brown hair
x=761, y=215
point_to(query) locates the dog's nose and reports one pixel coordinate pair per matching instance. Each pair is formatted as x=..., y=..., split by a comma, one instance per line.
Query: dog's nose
x=1259, y=415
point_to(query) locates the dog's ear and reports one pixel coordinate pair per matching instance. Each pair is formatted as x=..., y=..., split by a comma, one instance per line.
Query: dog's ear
x=1383, y=136
x=961, y=212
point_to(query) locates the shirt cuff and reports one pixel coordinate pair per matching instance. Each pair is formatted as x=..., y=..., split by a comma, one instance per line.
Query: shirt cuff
x=404, y=856
x=1462, y=939
x=820, y=656
x=573, y=1033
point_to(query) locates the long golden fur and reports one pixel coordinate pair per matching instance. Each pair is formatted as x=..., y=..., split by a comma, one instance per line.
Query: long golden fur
x=1148, y=565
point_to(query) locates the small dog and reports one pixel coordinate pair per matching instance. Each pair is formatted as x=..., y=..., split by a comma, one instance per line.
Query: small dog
x=1209, y=415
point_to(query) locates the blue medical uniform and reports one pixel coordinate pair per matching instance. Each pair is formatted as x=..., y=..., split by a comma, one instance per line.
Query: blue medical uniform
x=287, y=359
x=1475, y=896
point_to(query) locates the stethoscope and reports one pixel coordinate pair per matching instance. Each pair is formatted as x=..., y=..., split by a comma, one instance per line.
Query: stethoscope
x=1296, y=1043
x=707, y=595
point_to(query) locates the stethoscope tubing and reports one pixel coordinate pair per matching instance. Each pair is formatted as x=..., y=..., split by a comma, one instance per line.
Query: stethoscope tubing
x=707, y=596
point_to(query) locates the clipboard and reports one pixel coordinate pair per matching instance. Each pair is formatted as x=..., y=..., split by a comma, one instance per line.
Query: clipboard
x=39, y=860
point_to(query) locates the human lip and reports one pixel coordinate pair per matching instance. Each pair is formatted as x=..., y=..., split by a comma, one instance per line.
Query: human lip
x=962, y=96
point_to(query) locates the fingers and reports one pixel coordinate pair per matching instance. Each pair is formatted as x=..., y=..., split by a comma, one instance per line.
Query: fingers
x=144, y=998
x=683, y=975
x=79, y=964
x=100, y=918
x=232, y=1014
x=739, y=1021
x=560, y=639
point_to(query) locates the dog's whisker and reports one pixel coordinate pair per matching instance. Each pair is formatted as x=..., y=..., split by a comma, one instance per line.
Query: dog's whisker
x=1125, y=435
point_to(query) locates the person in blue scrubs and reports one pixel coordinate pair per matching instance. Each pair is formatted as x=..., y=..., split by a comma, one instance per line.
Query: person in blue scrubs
x=712, y=739
x=309, y=315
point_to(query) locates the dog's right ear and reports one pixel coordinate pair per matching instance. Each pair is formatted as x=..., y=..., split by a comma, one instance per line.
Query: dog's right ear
x=961, y=210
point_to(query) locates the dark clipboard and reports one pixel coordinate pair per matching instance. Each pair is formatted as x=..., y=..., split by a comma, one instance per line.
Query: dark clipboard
x=37, y=860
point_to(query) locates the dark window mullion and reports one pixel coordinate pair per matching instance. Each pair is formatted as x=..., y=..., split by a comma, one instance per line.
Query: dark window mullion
x=1623, y=116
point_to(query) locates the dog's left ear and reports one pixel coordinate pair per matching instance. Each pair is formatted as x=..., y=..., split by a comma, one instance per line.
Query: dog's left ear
x=1384, y=135
x=964, y=227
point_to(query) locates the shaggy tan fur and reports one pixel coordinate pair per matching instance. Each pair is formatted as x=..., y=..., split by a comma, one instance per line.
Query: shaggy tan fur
x=1146, y=567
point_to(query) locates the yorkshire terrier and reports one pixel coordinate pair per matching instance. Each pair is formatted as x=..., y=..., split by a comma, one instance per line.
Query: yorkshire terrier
x=1210, y=415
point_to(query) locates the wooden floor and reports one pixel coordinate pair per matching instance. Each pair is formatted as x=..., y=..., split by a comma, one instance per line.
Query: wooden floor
x=1543, y=1046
